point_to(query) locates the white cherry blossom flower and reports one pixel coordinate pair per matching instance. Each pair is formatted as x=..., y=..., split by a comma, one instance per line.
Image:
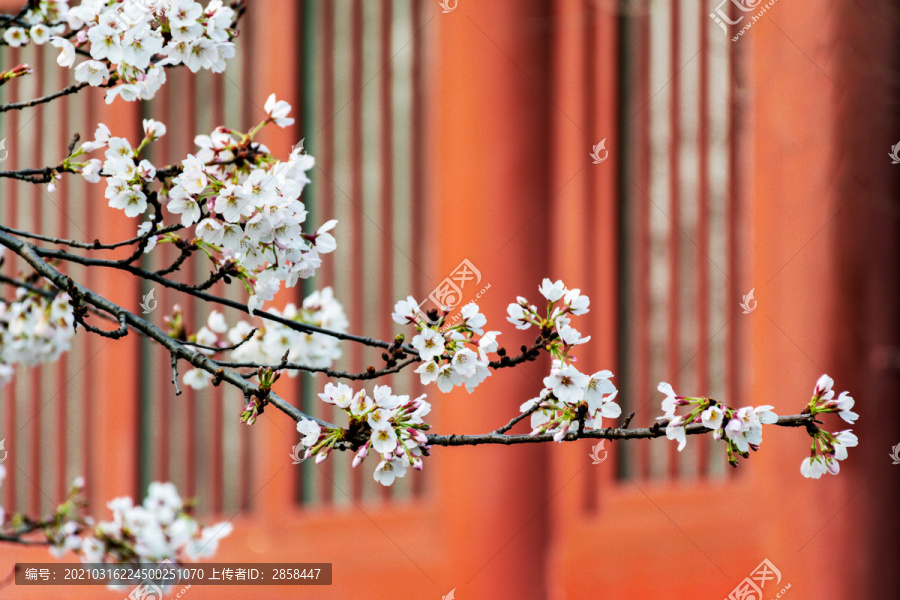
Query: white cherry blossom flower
x=40, y=34
x=196, y=379
x=15, y=37
x=844, y=403
x=567, y=384
x=429, y=344
x=384, y=439
x=577, y=302
x=675, y=431
x=278, y=111
x=518, y=316
x=133, y=202
x=388, y=470
x=428, y=371
x=153, y=129
x=310, y=430
x=813, y=467
x=66, y=56
x=405, y=311
x=570, y=336
x=712, y=417
x=552, y=290
x=92, y=72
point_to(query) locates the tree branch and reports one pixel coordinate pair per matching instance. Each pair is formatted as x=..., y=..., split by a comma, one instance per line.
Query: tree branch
x=187, y=289
x=29, y=253
x=657, y=430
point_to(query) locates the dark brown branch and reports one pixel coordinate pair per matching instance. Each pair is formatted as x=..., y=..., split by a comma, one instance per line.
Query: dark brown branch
x=72, y=89
x=121, y=332
x=366, y=375
x=518, y=418
x=605, y=434
x=95, y=245
x=197, y=359
x=150, y=276
x=48, y=294
x=246, y=339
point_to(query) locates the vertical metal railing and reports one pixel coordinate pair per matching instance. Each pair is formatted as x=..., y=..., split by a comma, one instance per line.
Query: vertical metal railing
x=195, y=439
x=364, y=73
x=46, y=414
x=682, y=254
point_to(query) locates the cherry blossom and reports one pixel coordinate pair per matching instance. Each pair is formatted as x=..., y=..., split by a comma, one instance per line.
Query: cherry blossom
x=740, y=428
x=828, y=449
x=34, y=329
x=406, y=311
x=66, y=56
x=130, y=41
x=160, y=528
x=388, y=424
x=278, y=111
x=272, y=341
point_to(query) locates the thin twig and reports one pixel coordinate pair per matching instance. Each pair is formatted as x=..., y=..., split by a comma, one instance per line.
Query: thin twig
x=365, y=375
x=72, y=89
x=620, y=433
x=175, y=375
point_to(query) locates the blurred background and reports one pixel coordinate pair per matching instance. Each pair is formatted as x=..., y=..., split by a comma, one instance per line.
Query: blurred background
x=662, y=156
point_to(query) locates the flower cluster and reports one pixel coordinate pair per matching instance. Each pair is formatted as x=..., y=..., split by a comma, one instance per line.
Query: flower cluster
x=561, y=304
x=388, y=424
x=44, y=18
x=829, y=448
x=570, y=398
x=130, y=41
x=269, y=344
x=740, y=427
x=451, y=355
x=160, y=528
x=242, y=202
x=33, y=330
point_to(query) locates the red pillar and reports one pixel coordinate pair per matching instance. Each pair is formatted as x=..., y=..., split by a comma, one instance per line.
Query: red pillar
x=488, y=201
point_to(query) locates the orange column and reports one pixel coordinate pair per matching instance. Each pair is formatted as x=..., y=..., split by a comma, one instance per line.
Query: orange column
x=488, y=204
x=792, y=335
x=113, y=386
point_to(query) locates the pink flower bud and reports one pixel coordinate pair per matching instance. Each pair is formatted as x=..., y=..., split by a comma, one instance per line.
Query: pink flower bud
x=361, y=455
